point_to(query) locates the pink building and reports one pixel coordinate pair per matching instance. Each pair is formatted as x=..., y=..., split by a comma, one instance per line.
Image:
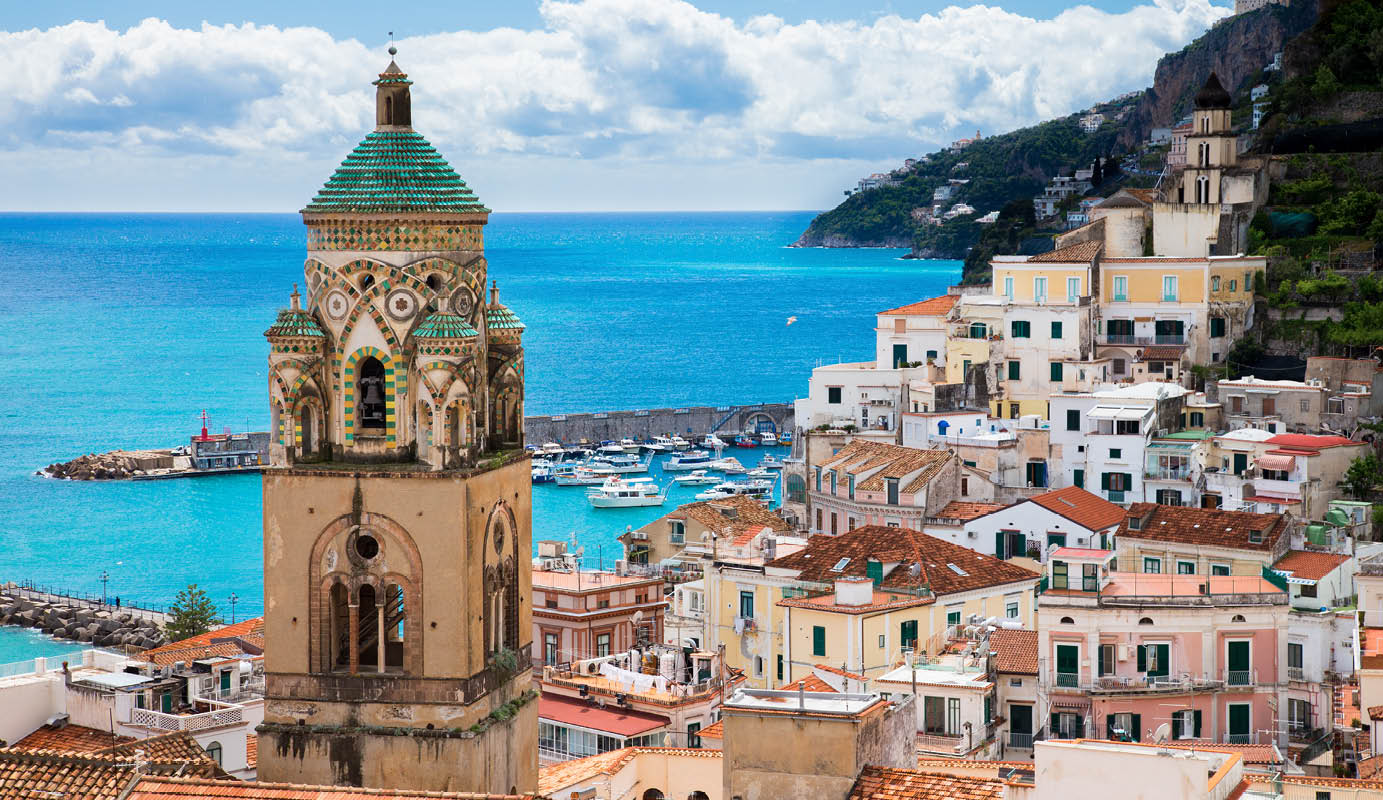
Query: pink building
x=583, y=614
x=1123, y=653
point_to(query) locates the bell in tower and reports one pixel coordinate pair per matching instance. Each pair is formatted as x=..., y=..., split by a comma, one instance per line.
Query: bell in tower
x=397, y=534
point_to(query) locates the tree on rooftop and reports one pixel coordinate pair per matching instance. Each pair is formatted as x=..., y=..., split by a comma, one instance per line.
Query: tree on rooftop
x=192, y=614
x=1363, y=474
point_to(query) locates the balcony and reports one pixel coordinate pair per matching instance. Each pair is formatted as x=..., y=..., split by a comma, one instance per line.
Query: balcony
x=1068, y=680
x=1126, y=684
x=1142, y=341
x=1296, y=673
x=1182, y=474
x=1239, y=738
x=157, y=720
x=745, y=624
x=1020, y=741
x=1240, y=678
x=941, y=743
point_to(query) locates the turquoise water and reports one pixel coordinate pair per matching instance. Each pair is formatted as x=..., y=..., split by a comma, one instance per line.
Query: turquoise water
x=21, y=644
x=117, y=330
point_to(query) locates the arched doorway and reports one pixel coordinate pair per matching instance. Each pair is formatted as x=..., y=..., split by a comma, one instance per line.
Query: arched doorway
x=653, y=794
x=370, y=394
x=340, y=624
x=308, y=420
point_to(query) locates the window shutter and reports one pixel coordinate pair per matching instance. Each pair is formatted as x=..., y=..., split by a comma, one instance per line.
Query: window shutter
x=1176, y=725
x=1128, y=482
x=1142, y=659
x=999, y=544
x=1109, y=726
x=1104, y=481
x=1137, y=725
x=1103, y=666
x=1197, y=732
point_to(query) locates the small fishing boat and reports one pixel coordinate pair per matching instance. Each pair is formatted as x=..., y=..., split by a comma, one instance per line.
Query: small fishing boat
x=578, y=453
x=759, y=472
x=698, y=477
x=760, y=489
x=785, y=437
x=619, y=465
x=553, y=450
x=610, y=447
x=713, y=442
x=577, y=475
x=692, y=459
x=768, y=439
x=626, y=493
x=629, y=445
x=769, y=462
x=730, y=466
x=678, y=443
x=542, y=472
x=744, y=440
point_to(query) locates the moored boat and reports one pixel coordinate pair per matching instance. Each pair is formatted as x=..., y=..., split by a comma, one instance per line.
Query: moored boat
x=744, y=440
x=728, y=465
x=757, y=488
x=692, y=459
x=768, y=439
x=698, y=477
x=622, y=464
x=769, y=462
x=577, y=475
x=626, y=493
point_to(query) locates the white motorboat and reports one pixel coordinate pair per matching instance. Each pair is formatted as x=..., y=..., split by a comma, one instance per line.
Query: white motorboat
x=610, y=448
x=629, y=445
x=729, y=465
x=768, y=439
x=678, y=443
x=553, y=450
x=698, y=477
x=578, y=453
x=622, y=464
x=542, y=471
x=759, y=472
x=713, y=442
x=769, y=462
x=692, y=459
x=758, y=488
x=658, y=444
x=577, y=475
x=626, y=493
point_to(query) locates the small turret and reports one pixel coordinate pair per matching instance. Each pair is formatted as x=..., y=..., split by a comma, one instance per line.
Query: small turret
x=393, y=103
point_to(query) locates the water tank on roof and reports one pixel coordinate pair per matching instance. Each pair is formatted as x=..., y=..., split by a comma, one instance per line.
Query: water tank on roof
x=1316, y=534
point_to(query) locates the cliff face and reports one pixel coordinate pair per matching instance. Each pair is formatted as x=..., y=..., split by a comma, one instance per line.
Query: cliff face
x=1234, y=50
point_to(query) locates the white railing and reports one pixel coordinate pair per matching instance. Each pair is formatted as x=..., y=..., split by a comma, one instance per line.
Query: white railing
x=148, y=718
x=1296, y=674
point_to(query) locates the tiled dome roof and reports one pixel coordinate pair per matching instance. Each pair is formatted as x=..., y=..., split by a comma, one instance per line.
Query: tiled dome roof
x=395, y=171
x=295, y=322
x=1213, y=94
x=499, y=317
x=444, y=326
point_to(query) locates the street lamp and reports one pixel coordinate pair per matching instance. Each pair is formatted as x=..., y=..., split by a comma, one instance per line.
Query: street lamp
x=233, y=599
x=105, y=576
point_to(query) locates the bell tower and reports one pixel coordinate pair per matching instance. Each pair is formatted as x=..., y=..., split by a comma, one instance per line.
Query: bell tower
x=397, y=536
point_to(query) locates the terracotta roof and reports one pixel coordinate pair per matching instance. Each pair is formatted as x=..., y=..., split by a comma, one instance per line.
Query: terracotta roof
x=252, y=750
x=1163, y=352
x=750, y=516
x=610, y=719
x=1146, y=195
x=1203, y=526
x=1085, y=252
x=1375, y=712
x=1309, y=565
x=809, y=683
x=176, y=746
x=716, y=731
x=904, y=547
x=560, y=776
x=932, y=307
x=1338, y=783
x=223, y=642
x=963, y=510
x=1252, y=753
x=883, y=460
x=182, y=788
x=1369, y=767
x=886, y=783
x=78, y=776
x=1081, y=507
x=1310, y=440
x=70, y=739
x=854, y=676
x=1015, y=650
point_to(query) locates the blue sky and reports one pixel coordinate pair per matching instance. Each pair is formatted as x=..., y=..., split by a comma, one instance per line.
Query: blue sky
x=570, y=105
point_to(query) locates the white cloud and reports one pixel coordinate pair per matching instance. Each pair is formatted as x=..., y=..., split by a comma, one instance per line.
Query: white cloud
x=615, y=81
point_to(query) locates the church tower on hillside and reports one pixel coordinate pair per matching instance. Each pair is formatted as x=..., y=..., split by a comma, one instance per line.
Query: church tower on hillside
x=397, y=536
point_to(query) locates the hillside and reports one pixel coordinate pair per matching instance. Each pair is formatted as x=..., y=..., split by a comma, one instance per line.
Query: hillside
x=1006, y=171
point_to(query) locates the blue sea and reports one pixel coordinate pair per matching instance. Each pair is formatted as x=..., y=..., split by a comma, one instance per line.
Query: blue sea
x=118, y=330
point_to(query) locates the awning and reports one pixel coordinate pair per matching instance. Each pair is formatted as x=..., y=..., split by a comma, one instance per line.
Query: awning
x=1070, y=701
x=611, y=719
x=1277, y=463
x=1118, y=412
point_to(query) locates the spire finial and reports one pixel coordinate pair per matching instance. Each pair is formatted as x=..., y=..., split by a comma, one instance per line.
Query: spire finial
x=295, y=297
x=393, y=51
x=494, y=293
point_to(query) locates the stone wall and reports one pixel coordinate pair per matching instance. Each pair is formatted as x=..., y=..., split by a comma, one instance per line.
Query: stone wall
x=102, y=627
x=642, y=424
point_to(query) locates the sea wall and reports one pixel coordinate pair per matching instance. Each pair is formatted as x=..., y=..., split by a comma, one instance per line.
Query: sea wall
x=103, y=627
x=641, y=424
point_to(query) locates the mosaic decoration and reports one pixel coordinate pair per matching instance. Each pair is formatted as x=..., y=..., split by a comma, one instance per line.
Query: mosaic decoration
x=348, y=389
x=401, y=304
x=337, y=304
x=392, y=235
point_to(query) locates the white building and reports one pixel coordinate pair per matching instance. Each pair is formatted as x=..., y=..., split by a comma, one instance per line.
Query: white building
x=1032, y=528
x=1100, y=438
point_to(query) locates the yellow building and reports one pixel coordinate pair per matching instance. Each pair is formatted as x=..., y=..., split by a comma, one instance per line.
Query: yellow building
x=856, y=600
x=1177, y=540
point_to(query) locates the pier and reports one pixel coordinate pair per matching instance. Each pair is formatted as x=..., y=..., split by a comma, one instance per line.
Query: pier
x=644, y=423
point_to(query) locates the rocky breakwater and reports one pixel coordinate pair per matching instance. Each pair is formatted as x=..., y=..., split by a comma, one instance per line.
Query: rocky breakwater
x=97, y=626
x=115, y=465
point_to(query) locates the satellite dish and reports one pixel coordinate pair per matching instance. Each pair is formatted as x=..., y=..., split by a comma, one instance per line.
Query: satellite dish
x=638, y=617
x=915, y=570
x=1163, y=733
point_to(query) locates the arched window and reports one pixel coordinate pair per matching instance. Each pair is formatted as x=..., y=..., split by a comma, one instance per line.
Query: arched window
x=308, y=422
x=367, y=643
x=501, y=582
x=1238, y=618
x=1145, y=621
x=1203, y=189
x=1067, y=621
x=369, y=393
x=388, y=110
x=340, y=624
x=1205, y=154
x=214, y=750
x=395, y=617
x=653, y=794
x=366, y=282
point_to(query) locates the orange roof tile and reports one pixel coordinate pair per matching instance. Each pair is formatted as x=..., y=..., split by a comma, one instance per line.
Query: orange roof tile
x=1311, y=441
x=809, y=683
x=886, y=783
x=932, y=307
x=1375, y=712
x=1081, y=507
x=79, y=776
x=183, y=788
x=715, y=731
x=252, y=750
x=883, y=460
x=559, y=776
x=880, y=601
x=1085, y=252
x=749, y=518
x=1310, y=565
x=1252, y=753
x=963, y=510
x=70, y=739
x=224, y=642
x=1015, y=650
x=1202, y=526
x=175, y=746
x=854, y=676
x=901, y=546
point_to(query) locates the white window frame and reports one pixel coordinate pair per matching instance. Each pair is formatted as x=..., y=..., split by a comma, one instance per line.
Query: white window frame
x=1175, y=284
x=1008, y=287
x=1039, y=289
x=1117, y=296
x=1072, y=289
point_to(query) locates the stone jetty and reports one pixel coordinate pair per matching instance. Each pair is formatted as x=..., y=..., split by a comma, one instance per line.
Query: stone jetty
x=115, y=465
x=101, y=626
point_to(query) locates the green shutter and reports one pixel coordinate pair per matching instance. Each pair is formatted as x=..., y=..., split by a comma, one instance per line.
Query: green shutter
x=1137, y=725
x=1104, y=667
x=1013, y=370
x=1056, y=370
x=1109, y=726
x=1128, y=482
x=999, y=544
x=1104, y=481
x=1142, y=659
x=818, y=640
x=874, y=570
x=1176, y=725
x=1080, y=479
x=1056, y=330
x=780, y=666
x=1197, y=732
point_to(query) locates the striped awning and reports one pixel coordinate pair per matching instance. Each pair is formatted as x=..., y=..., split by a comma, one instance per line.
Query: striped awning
x=1278, y=463
x=1070, y=701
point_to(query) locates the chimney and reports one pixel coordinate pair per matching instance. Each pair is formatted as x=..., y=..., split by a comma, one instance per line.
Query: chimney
x=854, y=590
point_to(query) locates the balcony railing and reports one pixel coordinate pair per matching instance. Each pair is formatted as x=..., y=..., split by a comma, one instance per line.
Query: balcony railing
x=1068, y=680
x=1119, y=684
x=1168, y=474
x=1240, y=738
x=1143, y=341
x=148, y=718
x=1021, y=741
x=941, y=742
x=1296, y=674
x=1239, y=677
